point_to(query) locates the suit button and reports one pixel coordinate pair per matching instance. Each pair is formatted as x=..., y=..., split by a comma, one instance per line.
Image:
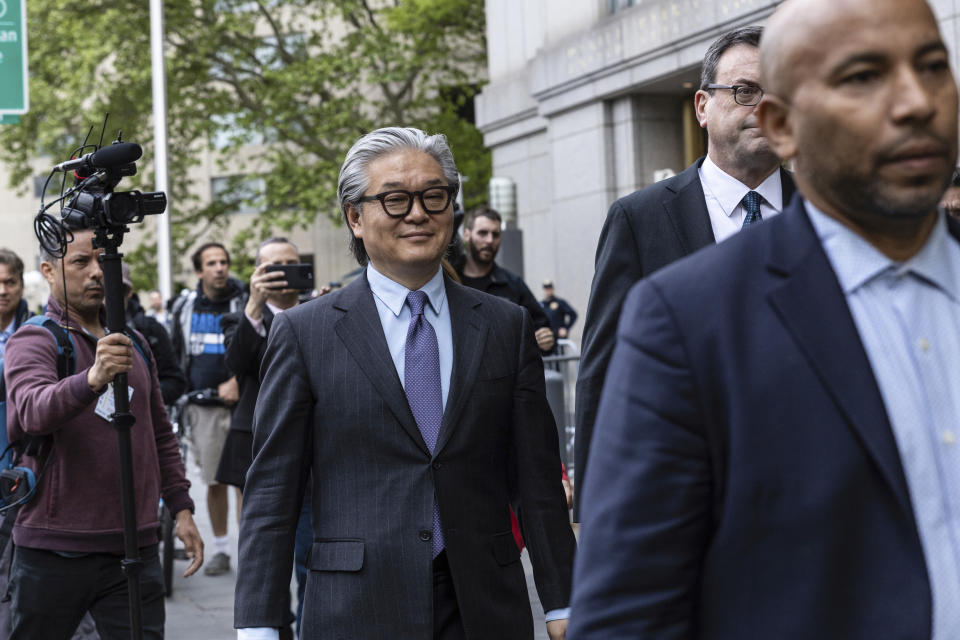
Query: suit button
x=436, y=466
x=425, y=535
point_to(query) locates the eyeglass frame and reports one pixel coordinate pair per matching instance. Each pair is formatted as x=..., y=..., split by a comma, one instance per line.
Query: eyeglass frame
x=736, y=91
x=451, y=190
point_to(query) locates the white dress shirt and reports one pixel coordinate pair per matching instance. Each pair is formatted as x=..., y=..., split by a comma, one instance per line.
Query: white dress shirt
x=257, y=324
x=724, y=196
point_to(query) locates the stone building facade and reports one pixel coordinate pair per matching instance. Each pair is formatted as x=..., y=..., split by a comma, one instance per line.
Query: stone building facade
x=589, y=100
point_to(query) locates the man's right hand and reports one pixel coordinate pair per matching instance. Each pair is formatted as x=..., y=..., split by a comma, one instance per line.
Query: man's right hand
x=114, y=355
x=262, y=284
x=192, y=542
x=545, y=338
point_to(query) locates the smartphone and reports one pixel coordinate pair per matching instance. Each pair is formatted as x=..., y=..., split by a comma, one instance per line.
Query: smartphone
x=298, y=276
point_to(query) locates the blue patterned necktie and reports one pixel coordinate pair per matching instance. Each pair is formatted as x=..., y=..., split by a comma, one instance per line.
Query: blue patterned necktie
x=421, y=383
x=751, y=202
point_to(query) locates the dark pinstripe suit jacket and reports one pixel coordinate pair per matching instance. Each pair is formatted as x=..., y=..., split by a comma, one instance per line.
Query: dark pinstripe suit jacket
x=331, y=403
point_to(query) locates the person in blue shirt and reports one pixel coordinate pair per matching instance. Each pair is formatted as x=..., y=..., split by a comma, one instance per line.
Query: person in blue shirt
x=199, y=341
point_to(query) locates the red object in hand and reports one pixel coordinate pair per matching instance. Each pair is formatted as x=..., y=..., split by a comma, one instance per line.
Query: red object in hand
x=515, y=524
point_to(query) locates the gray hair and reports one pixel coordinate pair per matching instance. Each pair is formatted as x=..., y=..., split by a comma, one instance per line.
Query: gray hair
x=273, y=240
x=354, y=180
x=749, y=36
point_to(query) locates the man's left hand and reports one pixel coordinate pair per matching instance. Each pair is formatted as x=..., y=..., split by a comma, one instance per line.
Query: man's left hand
x=567, y=491
x=557, y=629
x=545, y=338
x=229, y=391
x=192, y=542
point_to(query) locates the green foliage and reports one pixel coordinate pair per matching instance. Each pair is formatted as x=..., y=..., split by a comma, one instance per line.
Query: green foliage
x=299, y=80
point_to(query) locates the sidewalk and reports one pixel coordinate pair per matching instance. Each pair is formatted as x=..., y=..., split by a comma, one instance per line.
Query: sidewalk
x=201, y=607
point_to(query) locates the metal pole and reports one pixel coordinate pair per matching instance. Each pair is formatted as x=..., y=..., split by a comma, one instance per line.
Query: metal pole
x=160, y=146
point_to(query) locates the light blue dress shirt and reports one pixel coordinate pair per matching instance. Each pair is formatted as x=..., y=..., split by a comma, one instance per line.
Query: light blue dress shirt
x=5, y=335
x=908, y=318
x=391, y=299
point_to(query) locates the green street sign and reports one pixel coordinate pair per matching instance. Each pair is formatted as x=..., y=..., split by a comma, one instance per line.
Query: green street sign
x=14, y=95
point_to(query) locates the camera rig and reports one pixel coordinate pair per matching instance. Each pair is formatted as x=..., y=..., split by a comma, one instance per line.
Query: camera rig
x=93, y=204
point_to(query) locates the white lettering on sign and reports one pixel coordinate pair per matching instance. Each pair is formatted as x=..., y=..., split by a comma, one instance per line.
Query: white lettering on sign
x=8, y=36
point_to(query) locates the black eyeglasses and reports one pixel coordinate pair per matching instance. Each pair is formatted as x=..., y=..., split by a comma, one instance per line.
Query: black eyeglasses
x=747, y=95
x=398, y=203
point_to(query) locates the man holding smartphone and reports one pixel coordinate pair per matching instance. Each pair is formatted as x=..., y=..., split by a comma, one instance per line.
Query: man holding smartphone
x=245, y=337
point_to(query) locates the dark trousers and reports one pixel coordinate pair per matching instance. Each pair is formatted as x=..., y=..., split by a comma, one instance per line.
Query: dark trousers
x=50, y=594
x=447, y=624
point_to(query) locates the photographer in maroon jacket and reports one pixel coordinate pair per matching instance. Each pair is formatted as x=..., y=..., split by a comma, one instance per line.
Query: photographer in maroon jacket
x=69, y=536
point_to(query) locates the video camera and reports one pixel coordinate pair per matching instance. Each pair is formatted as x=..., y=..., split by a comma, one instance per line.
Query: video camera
x=95, y=202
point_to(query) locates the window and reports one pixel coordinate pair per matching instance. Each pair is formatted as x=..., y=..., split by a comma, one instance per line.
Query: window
x=268, y=53
x=229, y=131
x=240, y=194
x=617, y=5
x=242, y=6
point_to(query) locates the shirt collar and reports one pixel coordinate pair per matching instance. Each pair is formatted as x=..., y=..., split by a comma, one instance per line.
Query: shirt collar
x=274, y=309
x=729, y=191
x=856, y=261
x=394, y=295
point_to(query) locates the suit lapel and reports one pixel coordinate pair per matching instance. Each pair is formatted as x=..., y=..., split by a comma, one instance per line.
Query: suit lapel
x=787, y=186
x=267, y=316
x=469, y=337
x=812, y=306
x=360, y=330
x=686, y=208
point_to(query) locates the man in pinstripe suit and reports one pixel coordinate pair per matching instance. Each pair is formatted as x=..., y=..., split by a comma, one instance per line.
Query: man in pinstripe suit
x=416, y=409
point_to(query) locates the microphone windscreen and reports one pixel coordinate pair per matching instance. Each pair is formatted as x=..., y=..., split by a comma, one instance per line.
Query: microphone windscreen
x=115, y=155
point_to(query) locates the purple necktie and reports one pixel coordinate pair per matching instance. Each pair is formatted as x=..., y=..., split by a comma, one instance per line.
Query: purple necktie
x=421, y=383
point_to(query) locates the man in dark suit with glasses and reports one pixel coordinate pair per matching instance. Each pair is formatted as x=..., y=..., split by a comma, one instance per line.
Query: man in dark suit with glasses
x=737, y=184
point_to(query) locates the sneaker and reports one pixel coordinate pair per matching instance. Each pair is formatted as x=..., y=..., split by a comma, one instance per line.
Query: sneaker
x=218, y=565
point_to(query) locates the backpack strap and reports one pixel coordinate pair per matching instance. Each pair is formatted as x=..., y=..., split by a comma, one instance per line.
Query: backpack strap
x=144, y=350
x=66, y=366
x=66, y=350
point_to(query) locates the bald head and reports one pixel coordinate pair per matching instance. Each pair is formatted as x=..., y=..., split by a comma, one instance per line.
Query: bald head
x=860, y=95
x=802, y=32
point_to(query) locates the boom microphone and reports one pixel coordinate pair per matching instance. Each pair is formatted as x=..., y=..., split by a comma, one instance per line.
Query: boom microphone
x=114, y=155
